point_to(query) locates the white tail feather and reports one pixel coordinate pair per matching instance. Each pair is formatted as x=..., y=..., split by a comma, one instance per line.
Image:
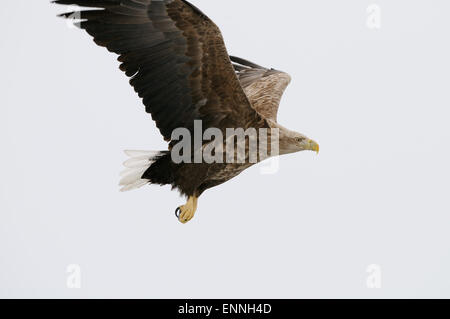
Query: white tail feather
x=149, y=154
x=134, y=186
x=132, y=177
x=136, y=166
x=137, y=162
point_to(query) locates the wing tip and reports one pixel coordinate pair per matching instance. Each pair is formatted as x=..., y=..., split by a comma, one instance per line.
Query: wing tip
x=244, y=62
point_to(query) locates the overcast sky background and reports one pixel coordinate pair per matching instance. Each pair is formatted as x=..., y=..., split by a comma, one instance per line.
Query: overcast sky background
x=377, y=101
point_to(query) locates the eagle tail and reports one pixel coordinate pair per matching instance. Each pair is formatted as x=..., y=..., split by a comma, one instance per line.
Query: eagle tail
x=135, y=174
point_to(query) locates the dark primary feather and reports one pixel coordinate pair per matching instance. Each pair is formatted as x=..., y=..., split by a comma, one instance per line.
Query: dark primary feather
x=245, y=63
x=176, y=58
x=249, y=72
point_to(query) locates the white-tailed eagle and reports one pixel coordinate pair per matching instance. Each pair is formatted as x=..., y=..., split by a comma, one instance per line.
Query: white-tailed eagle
x=178, y=64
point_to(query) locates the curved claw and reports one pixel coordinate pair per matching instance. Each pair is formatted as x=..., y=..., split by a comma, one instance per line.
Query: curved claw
x=178, y=212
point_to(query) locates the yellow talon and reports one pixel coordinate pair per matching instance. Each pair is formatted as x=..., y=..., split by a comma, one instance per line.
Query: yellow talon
x=188, y=210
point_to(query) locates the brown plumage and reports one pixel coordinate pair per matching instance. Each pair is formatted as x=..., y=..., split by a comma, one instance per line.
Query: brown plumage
x=178, y=64
x=263, y=87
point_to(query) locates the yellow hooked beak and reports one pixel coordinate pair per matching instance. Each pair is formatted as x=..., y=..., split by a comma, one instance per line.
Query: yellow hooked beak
x=313, y=146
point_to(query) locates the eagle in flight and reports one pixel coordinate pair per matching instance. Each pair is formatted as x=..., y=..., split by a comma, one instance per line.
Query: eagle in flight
x=178, y=64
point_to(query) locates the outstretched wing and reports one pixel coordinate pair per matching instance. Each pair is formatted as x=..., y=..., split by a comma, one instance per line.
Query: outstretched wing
x=176, y=58
x=264, y=87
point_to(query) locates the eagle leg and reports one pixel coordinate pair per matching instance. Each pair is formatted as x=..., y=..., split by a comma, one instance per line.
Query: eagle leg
x=186, y=213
